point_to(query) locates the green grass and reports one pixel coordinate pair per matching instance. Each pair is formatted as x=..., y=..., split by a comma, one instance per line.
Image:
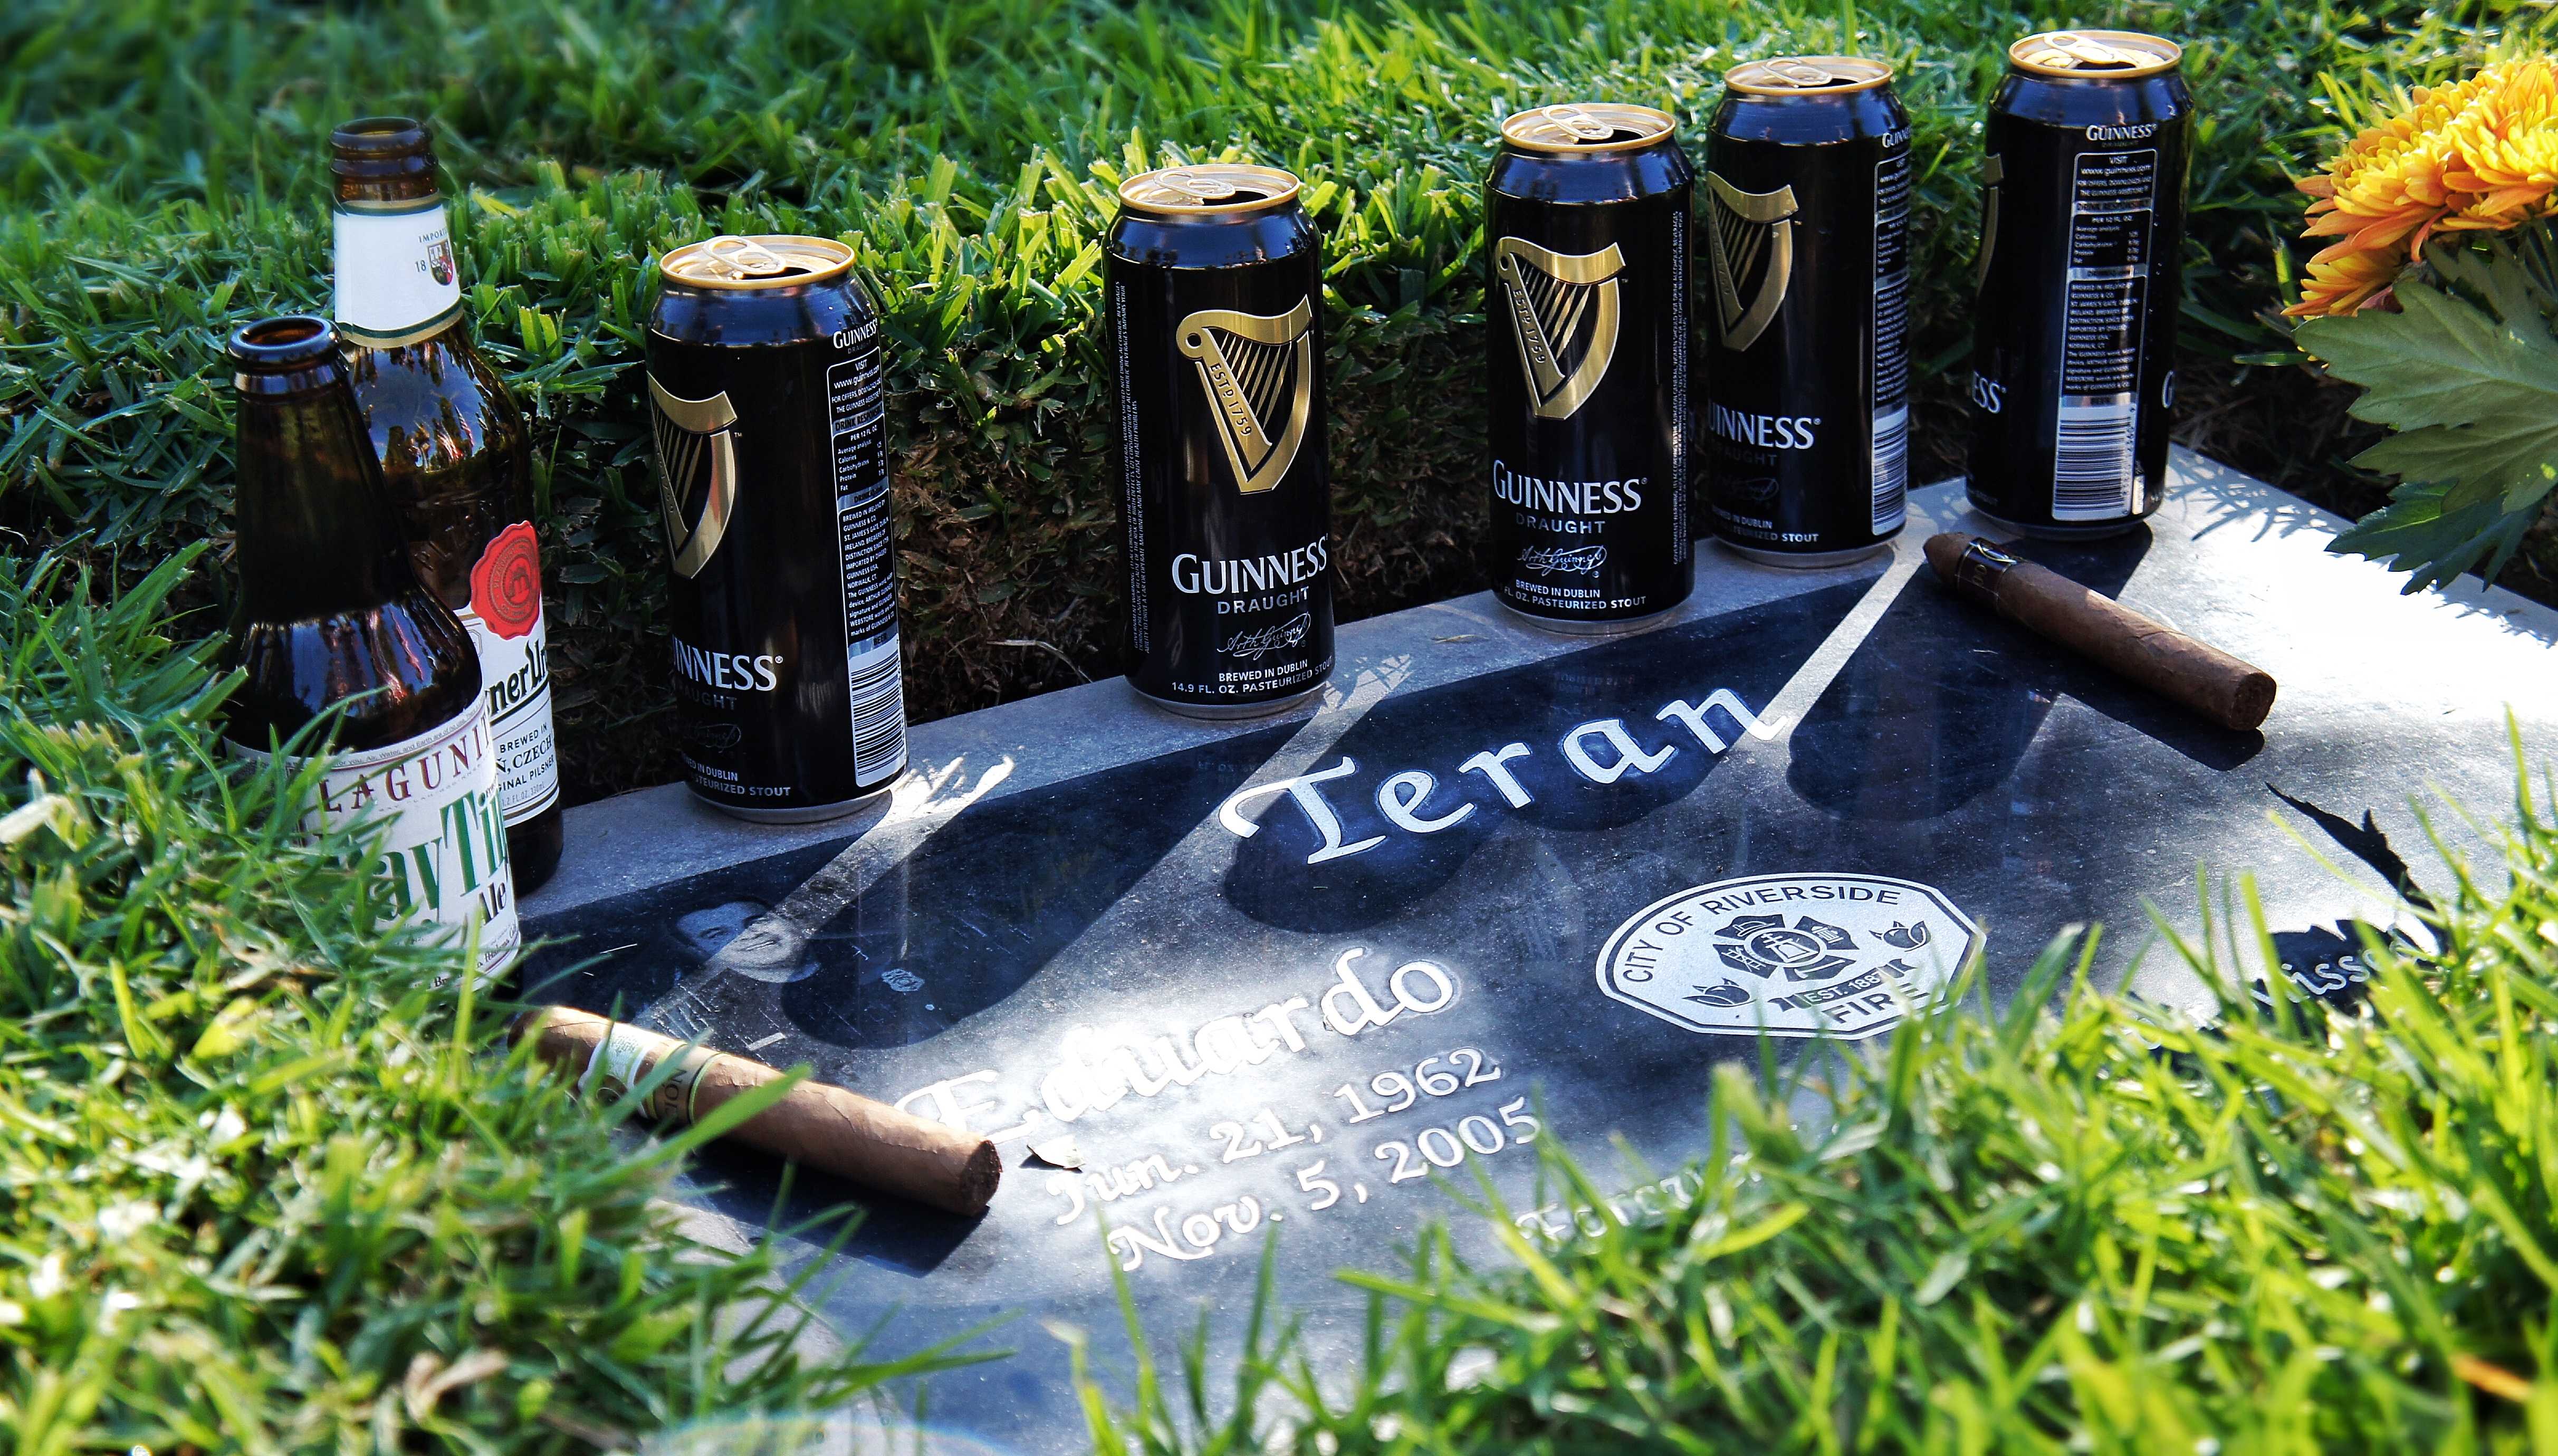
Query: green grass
x=270, y=1180
x=2096, y=1227
x=264, y=1186
x=160, y=170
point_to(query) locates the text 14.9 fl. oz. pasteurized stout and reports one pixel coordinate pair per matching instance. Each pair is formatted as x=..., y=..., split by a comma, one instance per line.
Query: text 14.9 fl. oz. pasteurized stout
x=1216, y=326
x=453, y=451
x=1807, y=178
x=1586, y=235
x=2081, y=276
x=765, y=388
x=332, y=614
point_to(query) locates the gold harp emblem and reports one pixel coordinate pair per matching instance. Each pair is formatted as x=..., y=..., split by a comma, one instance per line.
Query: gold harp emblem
x=1562, y=306
x=1993, y=172
x=1752, y=241
x=1256, y=368
x=695, y=447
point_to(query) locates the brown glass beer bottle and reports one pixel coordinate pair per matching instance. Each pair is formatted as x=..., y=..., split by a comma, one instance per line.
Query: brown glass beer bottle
x=452, y=447
x=332, y=610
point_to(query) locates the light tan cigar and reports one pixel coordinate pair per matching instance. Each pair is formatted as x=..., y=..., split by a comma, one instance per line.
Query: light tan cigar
x=815, y=1124
x=2230, y=692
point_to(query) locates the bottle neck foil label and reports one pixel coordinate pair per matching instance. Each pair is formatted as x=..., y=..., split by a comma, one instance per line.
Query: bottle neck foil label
x=504, y=618
x=396, y=278
x=442, y=854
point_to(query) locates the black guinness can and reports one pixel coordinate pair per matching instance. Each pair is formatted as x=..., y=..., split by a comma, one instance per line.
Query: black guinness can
x=2083, y=242
x=1217, y=314
x=1586, y=229
x=1807, y=176
x=767, y=391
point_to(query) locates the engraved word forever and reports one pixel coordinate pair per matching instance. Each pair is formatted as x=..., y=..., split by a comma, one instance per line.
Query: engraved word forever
x=1603, y=751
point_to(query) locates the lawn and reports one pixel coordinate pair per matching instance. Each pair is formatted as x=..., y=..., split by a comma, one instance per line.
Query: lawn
x=164, y=162
x=263, y=1186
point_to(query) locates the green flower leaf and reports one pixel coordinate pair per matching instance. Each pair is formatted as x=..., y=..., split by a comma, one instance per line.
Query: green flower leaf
x=2473, y=398
x=2435, y=532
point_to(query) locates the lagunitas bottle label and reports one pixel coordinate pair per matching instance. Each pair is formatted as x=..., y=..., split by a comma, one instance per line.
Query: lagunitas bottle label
x=504, y=618
x=443, y=850
x=396, y=279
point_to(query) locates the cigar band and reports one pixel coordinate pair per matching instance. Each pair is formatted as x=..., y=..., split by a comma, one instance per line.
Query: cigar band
x=1980, y=566
x=628, y=1055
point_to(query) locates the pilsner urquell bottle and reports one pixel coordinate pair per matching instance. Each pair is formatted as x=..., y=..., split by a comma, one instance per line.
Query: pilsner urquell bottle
x=452, y=447
x=332, y=609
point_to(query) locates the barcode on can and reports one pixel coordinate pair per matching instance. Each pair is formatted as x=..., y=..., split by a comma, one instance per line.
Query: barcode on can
x=878, y=682
x=2092, y=459
x=1891, y=469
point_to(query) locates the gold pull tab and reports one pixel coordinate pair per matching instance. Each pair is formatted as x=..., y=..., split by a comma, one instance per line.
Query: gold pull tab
x=2070, y=51
x=1581, y=124
x=1199, y=186
x=1799, y=74
x=743, y=258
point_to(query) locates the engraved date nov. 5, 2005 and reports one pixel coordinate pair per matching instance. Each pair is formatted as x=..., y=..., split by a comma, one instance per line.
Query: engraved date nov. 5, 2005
x=1198, y=1223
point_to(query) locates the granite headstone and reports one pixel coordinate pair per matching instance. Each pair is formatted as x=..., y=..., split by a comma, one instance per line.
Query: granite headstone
x=1305, y=978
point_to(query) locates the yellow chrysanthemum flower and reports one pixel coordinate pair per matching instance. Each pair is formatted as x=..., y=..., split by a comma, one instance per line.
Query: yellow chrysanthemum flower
x=2508, y=156
x=2347, y=281
x=2480, y=155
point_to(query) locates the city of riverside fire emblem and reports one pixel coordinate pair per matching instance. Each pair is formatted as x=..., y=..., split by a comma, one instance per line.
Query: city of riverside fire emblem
x=1790, y=955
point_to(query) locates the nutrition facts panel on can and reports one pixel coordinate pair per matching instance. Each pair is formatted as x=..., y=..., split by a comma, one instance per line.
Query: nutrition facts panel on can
x=1132, y=481
x=1891, y=452
x=856, y=411
x=2112, y=211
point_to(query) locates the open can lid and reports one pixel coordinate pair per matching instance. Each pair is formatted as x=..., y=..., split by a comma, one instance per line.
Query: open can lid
x=1798, y=76
x=765, y=260
x=1579, y=127
x=2095, y=55
x=1209, y=190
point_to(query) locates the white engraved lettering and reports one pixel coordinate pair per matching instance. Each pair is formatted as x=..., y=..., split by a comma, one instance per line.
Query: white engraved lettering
x=1693, y=716
x=1630, y=754
x=1400, y=798
x=1317, y=812
x=1369, y=1013
x=1490, y=766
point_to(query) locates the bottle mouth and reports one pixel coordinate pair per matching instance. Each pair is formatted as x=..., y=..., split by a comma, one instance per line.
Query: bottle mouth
x=283, y=344
x=378, y=147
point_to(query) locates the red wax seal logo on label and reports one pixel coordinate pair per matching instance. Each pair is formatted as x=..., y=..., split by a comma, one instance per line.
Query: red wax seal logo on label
x=506, y=584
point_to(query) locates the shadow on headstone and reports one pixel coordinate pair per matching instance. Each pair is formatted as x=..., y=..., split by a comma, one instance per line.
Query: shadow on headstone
x=895, y=1233
x=944, y=933
x=986, y=902
x=1944, y=697
x=1278, y=879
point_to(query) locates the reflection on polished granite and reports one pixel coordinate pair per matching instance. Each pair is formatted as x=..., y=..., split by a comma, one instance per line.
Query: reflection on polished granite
x=1288, y=979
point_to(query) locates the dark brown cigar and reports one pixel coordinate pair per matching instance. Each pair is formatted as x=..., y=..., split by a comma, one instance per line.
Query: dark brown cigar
x=824, y=1126
x=2197, y=674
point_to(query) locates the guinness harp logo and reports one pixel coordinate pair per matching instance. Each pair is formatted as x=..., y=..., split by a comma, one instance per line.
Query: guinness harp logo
x=697, y=456
x=1258, y=371
x=1563, y=306
x=1752, y=241
x=1993, y=172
